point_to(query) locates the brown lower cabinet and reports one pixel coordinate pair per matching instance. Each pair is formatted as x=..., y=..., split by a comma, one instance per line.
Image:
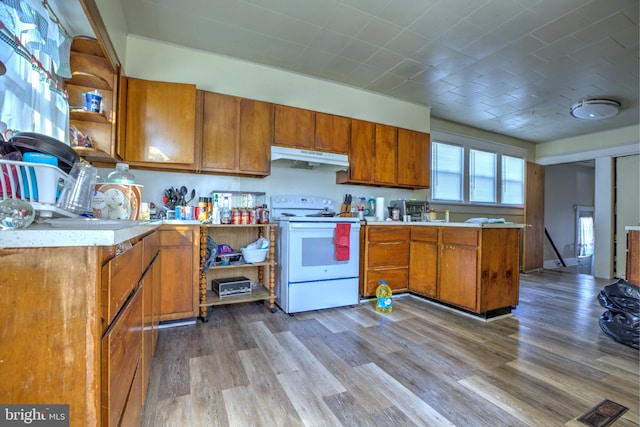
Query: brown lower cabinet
x=385, y=256
x=473, y=268
x=74, y=322
x=423, y=261
x=179, y=271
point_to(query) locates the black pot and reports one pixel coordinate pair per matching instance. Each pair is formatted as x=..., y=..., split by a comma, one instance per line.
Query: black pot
x=27, y=141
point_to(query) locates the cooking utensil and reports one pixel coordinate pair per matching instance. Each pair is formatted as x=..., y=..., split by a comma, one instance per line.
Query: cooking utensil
x=28, y=141
x=193, y=195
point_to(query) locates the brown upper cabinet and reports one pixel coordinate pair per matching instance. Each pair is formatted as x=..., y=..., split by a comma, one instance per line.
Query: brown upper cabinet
x=236, y=135
x=160, y=124
x=413, y=159
x=386, y=156
x=332, y=133
x=385, y=148
x=91, y=70
x=300, y=128
x=294, y=127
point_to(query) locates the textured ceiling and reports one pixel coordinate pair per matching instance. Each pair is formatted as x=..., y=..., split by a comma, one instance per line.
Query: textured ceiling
x=509, y=66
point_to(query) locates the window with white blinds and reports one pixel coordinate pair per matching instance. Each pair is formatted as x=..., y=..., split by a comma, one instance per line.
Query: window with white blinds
x=470, y=173
x=447, y=171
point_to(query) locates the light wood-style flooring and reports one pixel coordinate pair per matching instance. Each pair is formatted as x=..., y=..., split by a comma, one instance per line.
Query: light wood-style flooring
x=421, y=365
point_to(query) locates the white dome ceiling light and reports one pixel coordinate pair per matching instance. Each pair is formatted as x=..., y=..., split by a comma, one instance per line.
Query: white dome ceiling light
x=595, y=109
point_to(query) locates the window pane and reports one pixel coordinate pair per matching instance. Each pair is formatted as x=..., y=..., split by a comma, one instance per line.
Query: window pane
x=512, y=180
x=447, y=172
x=482, y=176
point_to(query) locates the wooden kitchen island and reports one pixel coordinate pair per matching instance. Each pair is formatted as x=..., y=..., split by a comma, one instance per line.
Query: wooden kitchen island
x=473, y=267
x=79, y=320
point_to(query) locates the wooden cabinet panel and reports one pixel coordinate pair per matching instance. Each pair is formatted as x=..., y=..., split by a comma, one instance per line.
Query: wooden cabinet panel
x=423, y=268
x=119, y=277
x=220, y=129
x=256, y=134
x=361, y=152
x=121, y=351
x=386, y=149
x=386, y=257
x=423, y=261
x=333, y=133
x=633, y=257
x=294, y=127
x=160, y=124
x=533, y=236
x=236, y=135
x=150, y=300
x=388, y=254
x=425, y=234
x=460, y=236
x=457, y=275
x=389, y=233
x=176, y=237
x=150, y=245
x=179, y=271
x=499, y=269
x=396, y=278
x=413, y=167
x=50, y=322
x=132, y=412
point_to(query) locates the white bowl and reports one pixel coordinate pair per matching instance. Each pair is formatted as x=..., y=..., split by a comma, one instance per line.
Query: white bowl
x=254, y=255
x=371, y=218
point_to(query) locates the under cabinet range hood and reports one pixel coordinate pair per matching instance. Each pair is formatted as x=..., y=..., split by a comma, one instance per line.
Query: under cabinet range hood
x=308, y=159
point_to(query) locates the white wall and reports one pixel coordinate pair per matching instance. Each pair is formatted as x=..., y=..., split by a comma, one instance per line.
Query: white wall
x=113, y=17
x=155, y=60
x=603, y=218
x=283, y=180
x=613, y=143
x=627, y=206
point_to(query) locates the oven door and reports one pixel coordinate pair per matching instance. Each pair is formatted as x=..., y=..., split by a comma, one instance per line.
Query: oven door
x=312, y=252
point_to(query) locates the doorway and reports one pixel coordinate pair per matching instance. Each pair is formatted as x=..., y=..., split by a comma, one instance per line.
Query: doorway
x=569, y=195
x=585, y=239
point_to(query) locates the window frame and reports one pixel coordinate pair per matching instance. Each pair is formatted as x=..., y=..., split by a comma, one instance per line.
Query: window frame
x=469, y=143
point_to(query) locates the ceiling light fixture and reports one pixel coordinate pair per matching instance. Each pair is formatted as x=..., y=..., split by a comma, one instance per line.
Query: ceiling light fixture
x=595, y=109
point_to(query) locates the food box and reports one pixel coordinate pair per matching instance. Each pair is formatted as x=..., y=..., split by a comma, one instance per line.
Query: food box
x=116, y=201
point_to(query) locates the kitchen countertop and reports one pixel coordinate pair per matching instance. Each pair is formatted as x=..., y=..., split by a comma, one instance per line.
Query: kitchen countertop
x=114, y=232
x=632, y=227
x=105, y=233
x=448, y=224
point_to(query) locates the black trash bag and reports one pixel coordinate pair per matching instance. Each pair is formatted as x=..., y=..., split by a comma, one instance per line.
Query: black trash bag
x=620, y=296
x=622, y=319
x=622, y=327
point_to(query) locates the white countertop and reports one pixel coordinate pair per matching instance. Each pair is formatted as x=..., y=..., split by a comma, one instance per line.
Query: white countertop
x=46, y=235
x=632, y=227
x=114, y=232
x=449, y=224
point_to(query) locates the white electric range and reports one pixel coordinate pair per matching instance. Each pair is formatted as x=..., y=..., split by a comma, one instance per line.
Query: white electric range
x=309, y=275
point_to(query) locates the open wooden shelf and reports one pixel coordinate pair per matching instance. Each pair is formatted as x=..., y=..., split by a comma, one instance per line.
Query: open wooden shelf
x=80, y=78
x=93, y=155
x=88, y=116
x=257, y=294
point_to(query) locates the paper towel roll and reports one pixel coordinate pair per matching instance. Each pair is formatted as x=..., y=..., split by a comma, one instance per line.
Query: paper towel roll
x=380, y=208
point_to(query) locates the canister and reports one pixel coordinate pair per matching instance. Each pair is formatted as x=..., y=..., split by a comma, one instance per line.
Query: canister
x=395, y=214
